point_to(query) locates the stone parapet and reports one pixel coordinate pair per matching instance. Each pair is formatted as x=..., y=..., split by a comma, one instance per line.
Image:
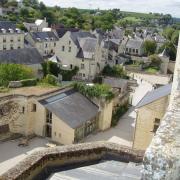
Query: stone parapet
x=71, y=154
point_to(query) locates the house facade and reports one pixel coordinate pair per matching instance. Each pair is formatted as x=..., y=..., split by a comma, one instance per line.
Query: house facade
x=134, y=46
x=44, y=42
x=150, y=112
x=80, y=49
x=10, y=36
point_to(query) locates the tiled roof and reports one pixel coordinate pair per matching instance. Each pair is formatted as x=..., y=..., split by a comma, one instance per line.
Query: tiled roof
x=134, y=43
x=7, y=25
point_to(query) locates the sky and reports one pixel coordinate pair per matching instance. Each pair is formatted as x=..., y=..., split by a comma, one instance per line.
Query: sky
x=160, y=6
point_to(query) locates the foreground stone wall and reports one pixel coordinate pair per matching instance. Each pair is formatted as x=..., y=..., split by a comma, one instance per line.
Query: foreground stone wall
x=71, y=154
x=162, y=158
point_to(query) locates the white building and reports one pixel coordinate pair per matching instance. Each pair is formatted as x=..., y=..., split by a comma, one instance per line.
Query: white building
x=10, y=36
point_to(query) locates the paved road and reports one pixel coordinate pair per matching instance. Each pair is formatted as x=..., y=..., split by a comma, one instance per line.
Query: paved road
x=123, y=132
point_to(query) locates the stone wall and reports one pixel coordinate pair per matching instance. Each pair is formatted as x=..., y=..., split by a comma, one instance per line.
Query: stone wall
x=162, y=158
x=145, y=122
x=67, y=155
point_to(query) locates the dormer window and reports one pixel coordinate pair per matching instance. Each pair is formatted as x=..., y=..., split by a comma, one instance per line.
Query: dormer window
x=11, y=30
x=12, y=39
x=3, y=30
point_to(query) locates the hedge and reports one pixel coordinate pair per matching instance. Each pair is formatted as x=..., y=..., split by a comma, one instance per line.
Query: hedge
x=28, y=82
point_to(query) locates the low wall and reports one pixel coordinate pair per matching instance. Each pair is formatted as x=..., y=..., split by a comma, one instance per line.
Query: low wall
x=71, y=154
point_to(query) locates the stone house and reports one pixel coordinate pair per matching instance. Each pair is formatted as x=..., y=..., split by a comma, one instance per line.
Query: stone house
x=150, y=112
x=63, y=116
x=26, y=56
x=10, y=36
x=37, y=26
x=134, y=46
x=44, y=42
x=80, y=49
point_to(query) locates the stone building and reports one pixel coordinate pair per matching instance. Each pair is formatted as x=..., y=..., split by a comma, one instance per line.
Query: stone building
x=150, y=112
x=79, y=49
x=162, y=158
x=44, y=42
x=134, y=46
x=10, y=36
x=64, y=116
x=37, y=26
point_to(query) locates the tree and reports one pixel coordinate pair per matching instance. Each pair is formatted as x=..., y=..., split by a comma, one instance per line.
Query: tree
x=155, y=60
x=14, y=72
x=149, y=47
x=175, y=37
x=168, y=32
x=170, y=48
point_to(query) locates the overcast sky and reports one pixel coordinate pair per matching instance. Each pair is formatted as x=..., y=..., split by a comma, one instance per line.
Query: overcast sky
x=160, y=6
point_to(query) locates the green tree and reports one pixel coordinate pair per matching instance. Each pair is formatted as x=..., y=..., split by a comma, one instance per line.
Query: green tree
x=14, y=72
x=168, y=32
x=175, y=37
x=155, y=60
x=149, y=47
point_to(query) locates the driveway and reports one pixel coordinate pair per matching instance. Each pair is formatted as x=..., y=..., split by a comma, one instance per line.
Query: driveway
x=124, y=131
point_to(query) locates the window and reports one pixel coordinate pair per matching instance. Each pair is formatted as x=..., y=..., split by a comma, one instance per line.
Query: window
x=69, y=49
x=54, y=44
x=4, y=39
x=46, y=45
x=33, y=108
x=71, y=66
x=4, y=47
x=127, y=49
x=19, y=39
x=84, y=75
x=69, y=42
x=82, y=66
x=54, y=133
x=23, y=109
x=133, y=50
x=19, y=47
x=63, y=48
x=82, y=60
x=48, y=117
x=11, y=47
x=156, y=124
x=136, y=51
x=11, y=39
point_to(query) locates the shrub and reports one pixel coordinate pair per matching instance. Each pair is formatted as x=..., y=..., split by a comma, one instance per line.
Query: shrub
x=50, y=79
x=119, y=112
x=14, y=72
x=29, y=82
x=115, y=71
x=97, y=90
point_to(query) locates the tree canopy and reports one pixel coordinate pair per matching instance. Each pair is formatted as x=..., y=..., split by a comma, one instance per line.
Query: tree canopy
x=149, y=47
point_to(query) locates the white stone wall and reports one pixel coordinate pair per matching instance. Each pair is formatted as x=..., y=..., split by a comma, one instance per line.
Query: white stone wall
x=11, y=40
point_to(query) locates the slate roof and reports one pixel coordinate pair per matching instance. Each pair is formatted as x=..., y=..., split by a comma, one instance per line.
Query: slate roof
x=71, y=107
x=155, y=95
x=7, y=25
x=26, y=56
x=134, y=43
x=62, y=31
x=88, y=47
x=43, y=36
x=115, y=82
x=75, y=36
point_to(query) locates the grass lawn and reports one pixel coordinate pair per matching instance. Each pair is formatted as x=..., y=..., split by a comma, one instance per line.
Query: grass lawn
x=152, y=70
